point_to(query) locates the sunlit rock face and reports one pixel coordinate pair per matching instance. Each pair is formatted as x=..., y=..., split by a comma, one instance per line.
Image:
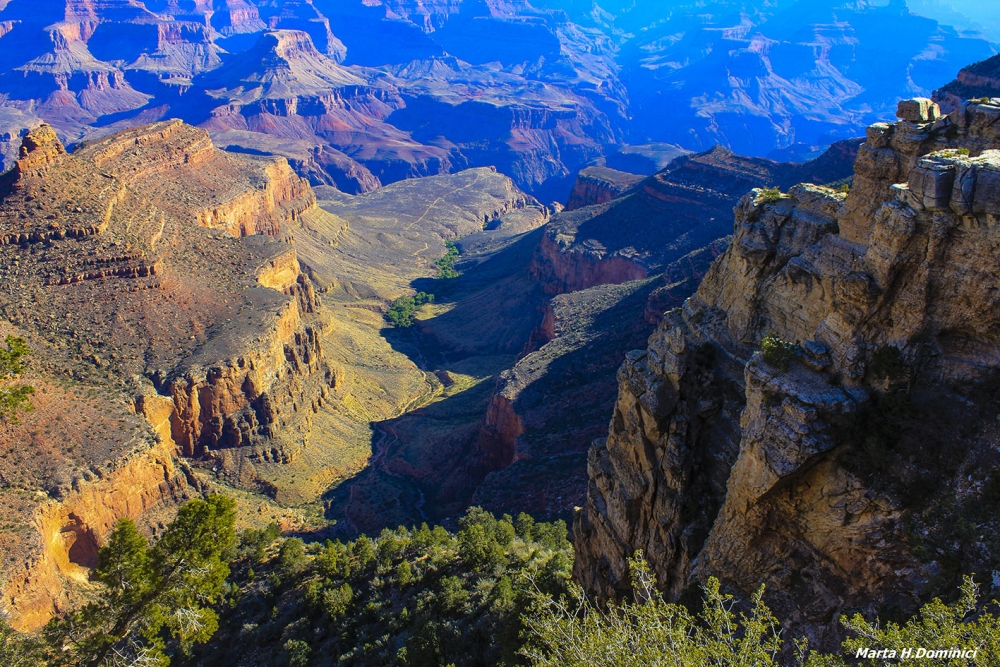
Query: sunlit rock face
x=168, y=317
x=722, y=461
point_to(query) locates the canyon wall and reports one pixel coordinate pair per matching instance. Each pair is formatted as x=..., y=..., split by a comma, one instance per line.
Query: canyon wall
x=166, y=319
x=596, y=185
x=796, y=466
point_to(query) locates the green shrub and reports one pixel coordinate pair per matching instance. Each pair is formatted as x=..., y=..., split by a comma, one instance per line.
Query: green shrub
x=768, y=196
x=778, y=353
x=409, y=597
x=292, y=557
x=337, y=601
x=578, y=633
x=446, y=265
x=298, y=653
x=402, y=309
x=17, y=398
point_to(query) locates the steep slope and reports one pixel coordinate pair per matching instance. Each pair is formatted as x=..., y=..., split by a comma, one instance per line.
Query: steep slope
x=979, y=80
x=596, y=185
x=830, y=467
x=165, y=319
x=673, y=213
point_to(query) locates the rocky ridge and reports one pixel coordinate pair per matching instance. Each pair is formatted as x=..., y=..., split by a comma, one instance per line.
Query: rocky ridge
x=665, y=217
x=799, y=467
x=979, y=80
x=597, y=185
x=166, y=318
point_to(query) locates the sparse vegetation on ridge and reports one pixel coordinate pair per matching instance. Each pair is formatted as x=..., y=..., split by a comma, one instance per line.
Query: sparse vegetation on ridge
x=574, y=632
x=769, y=196
x=16, y=398
x=496, y=593
x=777, y=352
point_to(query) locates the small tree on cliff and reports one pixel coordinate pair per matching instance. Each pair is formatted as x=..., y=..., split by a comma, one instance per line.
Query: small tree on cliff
x=152, y=593
x=15, y=398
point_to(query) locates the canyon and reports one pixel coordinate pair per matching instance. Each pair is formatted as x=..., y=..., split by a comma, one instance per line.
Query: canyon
x=208, y=213
x=165, y=318
x=795, y=422
x=221, y=322
x=360, y=94
x=526, y=340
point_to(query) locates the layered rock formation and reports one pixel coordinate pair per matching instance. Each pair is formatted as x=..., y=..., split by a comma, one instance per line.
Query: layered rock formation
x=979, y=80
x=272, y=75
x=826, y=466
x=667, y=216
x=755, y=77
x=165, y=318
x=597, y=185
x=408, y=89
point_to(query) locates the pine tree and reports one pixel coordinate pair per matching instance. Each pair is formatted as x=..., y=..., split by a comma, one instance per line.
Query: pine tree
x=151, y=592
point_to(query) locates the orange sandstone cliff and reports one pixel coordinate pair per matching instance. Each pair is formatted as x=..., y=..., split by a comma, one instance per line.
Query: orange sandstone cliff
x=166, y=318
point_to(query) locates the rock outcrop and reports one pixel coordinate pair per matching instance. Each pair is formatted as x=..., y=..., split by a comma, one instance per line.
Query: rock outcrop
x=797, y=466
x=166, y=318
x=977, y=81
x=596, y=185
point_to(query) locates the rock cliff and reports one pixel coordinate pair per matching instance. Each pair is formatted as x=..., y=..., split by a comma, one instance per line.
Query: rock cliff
x=596, y=185
x=665, y=217
x=166, y=318
x=979, y=80
x=827, y=466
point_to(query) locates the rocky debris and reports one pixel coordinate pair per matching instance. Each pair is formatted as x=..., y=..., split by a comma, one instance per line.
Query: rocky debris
x=723, y=461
